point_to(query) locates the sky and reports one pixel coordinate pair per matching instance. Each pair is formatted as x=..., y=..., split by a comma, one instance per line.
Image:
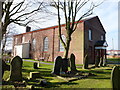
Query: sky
x=108, y=14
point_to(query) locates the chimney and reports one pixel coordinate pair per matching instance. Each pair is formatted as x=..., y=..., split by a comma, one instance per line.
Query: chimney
x=28, y=29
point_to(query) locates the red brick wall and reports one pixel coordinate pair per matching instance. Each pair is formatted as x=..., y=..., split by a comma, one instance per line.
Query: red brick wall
x=78, y=44
x=97, y=30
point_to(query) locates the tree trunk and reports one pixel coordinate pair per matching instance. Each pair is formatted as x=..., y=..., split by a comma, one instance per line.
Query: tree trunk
x=67, y=48
x=4, y=44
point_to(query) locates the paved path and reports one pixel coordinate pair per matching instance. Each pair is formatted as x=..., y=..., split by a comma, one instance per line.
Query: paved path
x=38, y=61
x=46, y=63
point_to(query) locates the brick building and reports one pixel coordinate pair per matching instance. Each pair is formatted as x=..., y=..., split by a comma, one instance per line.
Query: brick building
x=113, y=53
x=44, y=44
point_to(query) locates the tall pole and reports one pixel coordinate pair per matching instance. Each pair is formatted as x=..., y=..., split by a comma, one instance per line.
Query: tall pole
x=112, y=47
x=112, y=44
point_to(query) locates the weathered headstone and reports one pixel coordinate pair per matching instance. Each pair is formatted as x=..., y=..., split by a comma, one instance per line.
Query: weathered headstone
x=57, y=65
x=16, y=69
x=85, y=65
x=64, y=65
x=5, y=67
x=115, y=78
x=101, y=61
x=104, y=61
x=97, y=61
x=34, y=75
x=35, y=65
x=72, y=63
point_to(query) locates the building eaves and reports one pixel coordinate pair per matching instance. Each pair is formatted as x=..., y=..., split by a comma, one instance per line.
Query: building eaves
x=53, y=27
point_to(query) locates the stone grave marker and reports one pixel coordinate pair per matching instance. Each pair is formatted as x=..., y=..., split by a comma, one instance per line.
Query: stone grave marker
x=34, y=75
x=115, y=78
x=85, y=63
x=64, y=65
x=5, y=67
x=57, y=65
x=35, y=65
x=72, y=63
x=16, y=69
x=101, y=61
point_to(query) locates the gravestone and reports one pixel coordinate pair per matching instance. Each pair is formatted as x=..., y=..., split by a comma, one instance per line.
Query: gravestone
x=115, y=78
x=72, y=63
x=34, y=75
x=101, y=61
x=35, y=65
x=57, y=65
x=64, y=65
x=85, y=65
x=16, y=69
x=104, y=61
x=5, y=67
x=97, y=61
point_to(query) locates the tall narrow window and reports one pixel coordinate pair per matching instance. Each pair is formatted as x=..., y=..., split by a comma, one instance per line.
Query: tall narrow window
x=90, y=34
x=23, y=39
x=61, y=47
x=34, y=43
x=45, y=42
x=102, y=37
x=16, y=40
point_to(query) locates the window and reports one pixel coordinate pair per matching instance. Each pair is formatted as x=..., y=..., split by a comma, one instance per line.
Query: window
x=45, y=44
x=16, y=39
x=61, y=47
x=102, y=37
x=90, y=34
x=23, y=39
x=34, y=43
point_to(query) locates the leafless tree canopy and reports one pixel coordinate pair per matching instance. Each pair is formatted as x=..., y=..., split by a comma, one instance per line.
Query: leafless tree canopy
x=20, y=12
x=71, y=8
x=8, y=37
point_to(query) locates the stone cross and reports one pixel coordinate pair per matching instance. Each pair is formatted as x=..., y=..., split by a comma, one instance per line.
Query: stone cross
x=57, y=65
x=72, y=63
x=16, y=69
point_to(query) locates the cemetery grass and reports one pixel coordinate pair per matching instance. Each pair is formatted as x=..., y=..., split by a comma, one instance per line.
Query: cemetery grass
x=113, y=59
x=102, y=80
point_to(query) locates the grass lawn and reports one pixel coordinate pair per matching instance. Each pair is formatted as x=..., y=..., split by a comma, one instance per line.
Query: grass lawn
x=114, y=59
x=102, y=80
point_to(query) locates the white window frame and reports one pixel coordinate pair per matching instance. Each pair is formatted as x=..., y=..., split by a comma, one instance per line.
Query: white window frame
x=34, y=43
x=16, y=40
x=90, y=34
x=45, y=44
x=61, y=47
x=23, y=39
x=102, y=37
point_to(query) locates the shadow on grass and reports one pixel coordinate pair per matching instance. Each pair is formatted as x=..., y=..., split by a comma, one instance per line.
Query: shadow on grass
x=57, y=84
x=100, y=72
x=108, y=69
x=28, y=71
x=44, y=69
x=102, y=78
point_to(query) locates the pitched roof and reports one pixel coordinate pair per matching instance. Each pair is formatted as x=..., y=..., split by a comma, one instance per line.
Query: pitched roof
x=53, y=27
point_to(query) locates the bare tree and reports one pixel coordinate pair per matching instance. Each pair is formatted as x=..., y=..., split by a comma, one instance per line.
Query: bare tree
x=70, y=8
x=8, y=37
x=20, y=12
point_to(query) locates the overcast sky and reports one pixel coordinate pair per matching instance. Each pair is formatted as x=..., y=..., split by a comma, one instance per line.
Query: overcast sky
x=108, y=14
